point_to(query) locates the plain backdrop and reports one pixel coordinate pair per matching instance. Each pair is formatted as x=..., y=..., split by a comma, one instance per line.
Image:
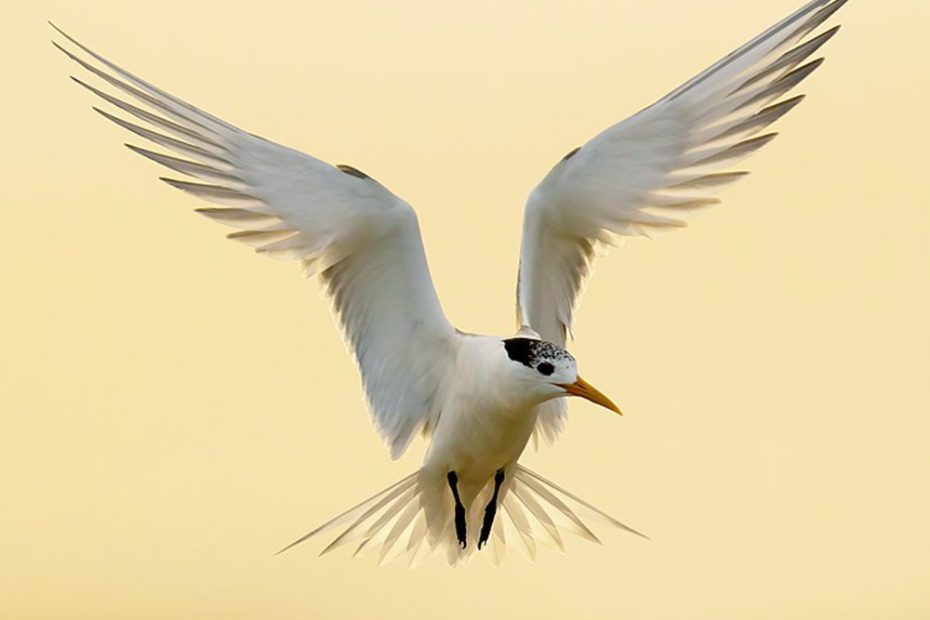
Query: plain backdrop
x=175, y=409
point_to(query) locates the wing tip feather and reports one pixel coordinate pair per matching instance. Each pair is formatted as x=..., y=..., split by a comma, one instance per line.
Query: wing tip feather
x=57, y=29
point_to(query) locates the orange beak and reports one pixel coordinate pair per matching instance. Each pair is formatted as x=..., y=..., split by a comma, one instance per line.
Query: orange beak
x=585, y=390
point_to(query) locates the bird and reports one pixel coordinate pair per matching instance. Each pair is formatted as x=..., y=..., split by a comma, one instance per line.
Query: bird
x=478, y=400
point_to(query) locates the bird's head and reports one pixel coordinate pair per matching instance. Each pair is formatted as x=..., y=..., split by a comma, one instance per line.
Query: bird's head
x=549, y=371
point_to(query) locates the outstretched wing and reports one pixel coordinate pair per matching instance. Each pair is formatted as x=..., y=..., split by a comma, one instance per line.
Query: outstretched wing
x=653, y=170
x=362, y=240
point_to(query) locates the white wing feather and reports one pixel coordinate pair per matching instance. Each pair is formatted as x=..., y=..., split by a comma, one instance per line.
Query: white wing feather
x=656, y=168
x=362, y=240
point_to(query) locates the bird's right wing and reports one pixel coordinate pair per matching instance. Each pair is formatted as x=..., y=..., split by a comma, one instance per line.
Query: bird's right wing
x=362, y=240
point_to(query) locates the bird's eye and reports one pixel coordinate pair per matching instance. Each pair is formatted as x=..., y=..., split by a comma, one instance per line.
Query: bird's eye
x=546, y=368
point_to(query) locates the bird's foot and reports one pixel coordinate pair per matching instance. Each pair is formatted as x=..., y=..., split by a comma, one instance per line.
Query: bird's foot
x=460, y=526
x=490, y=510
x=460, y=532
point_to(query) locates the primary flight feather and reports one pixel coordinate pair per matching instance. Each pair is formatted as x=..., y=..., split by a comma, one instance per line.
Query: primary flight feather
x=478, y=399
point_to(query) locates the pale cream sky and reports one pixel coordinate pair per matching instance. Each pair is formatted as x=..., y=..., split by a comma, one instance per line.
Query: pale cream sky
x=175, y=409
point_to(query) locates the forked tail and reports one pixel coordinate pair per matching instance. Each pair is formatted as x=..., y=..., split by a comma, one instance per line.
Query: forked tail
x=413, y=518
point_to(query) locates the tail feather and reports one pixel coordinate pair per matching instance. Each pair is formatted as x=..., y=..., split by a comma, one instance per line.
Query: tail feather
x=574, y=523
x=382, y=513
x=571, y=496
x=498, y=544
x=521, y=524
x=401, y=525
x=358, y=513
x=376, y=528
x=415, y=541
x=386, y=516
x=525, y=496
x=413, y=518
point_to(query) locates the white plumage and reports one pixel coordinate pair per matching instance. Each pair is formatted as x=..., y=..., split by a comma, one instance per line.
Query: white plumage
x=478, y=398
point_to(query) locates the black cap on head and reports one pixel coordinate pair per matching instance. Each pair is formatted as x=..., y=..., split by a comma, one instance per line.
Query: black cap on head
x=529, y=351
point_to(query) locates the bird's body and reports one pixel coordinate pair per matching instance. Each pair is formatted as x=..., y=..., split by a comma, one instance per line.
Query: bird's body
x=486, y=423
x=484, y=428
x=478, y=399
x=488, y=414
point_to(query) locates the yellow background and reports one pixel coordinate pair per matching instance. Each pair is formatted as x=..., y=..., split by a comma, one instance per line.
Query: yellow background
x=176, y=409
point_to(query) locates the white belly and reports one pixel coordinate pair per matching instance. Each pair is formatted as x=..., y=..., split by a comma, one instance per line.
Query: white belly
x=475, y=444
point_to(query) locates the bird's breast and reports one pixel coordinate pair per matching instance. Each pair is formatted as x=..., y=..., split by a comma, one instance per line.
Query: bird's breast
x=476, y=439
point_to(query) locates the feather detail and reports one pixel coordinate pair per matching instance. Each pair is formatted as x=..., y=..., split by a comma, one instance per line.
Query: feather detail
x=651, y=172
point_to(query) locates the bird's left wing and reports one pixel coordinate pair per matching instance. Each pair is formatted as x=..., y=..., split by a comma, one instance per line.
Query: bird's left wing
x=656, y=168
x=362, y=240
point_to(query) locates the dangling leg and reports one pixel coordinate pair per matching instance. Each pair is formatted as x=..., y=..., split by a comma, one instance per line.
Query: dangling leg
x=491, y=509
x=459, y=509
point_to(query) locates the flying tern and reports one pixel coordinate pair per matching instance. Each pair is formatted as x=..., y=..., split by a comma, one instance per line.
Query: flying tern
x=477, y=399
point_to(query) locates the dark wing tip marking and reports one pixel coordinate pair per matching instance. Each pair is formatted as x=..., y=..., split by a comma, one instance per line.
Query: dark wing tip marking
x=571, y=153
x=351, y=171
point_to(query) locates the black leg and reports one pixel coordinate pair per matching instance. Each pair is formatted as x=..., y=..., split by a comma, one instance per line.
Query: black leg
x=459, y=509
x=491, y=509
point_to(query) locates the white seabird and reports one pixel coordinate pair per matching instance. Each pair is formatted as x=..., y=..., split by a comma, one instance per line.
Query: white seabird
x=478, y=399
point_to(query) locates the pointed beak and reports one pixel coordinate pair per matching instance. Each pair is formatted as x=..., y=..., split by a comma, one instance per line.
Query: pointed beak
x=585, y=390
